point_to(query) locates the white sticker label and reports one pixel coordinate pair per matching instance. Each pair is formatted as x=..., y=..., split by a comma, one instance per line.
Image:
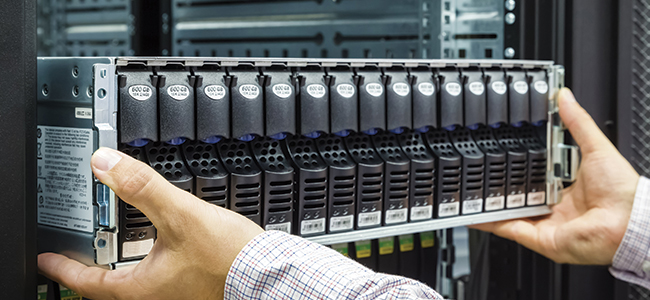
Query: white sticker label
x=472, y=206
x=341, y=223
x=448, y=209
x=426, y=88
x=494, y=203
x=421, y=212
x=369, y=219
x=282, y=90
x=249, y=91
x=316, y=90
x=374, y=89
x=140, y=92
x=215, y=92
x=312, y=226
x=64, y=187
x=284, y=227
x=499, y=87
x=345, y=90
x=477, y=88
x=453, y=88
x=541, y=87
x=521, y=87
x=396, y=215
x=401, y=89
x=516, y=200
x=137, y=248
x=83, y=113
x=178, y=92
x=536, y=198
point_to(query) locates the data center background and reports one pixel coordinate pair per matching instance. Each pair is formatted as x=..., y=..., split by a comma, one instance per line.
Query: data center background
x=599, y=70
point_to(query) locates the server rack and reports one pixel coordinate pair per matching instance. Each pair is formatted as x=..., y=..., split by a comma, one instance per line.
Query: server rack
x=256, y=153
x=17, y=79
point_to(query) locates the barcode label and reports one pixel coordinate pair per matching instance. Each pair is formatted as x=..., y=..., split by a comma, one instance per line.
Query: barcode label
x=516, y=200
x=448, y=209
x=472, y=206
x=369, y=219
x=396, y=215
x=341, y=223
x=536, y=198
x=285, y=227
x=137, y=248
x=494, y=203
x=312, y=226
x=421, y=212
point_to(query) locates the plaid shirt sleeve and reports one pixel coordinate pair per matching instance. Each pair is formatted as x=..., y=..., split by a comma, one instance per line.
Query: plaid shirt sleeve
x=276, y=265
x=632, y=258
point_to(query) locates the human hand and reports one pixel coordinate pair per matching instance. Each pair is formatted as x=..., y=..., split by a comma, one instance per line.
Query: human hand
x=196, y=245
x=588, y=225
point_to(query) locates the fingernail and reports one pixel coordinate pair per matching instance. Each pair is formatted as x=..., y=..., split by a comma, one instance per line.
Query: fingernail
x=567, y=95
x=105, y=159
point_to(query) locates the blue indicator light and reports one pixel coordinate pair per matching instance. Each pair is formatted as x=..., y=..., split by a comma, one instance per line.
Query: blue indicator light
x=313, y=135
x=343, y=133
x=450, y=127
x=397, y=130
x=247, y=138
x=138, y=143
x=423, y=129
x=279, y=136
x=372, y=131
x=495, y=125
x=177, y=141
x=539, y=123
x=518, y=124
x=473, y=127
x=212, y=140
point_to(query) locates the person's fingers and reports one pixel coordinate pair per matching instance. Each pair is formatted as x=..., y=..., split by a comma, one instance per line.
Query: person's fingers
x=582, y=127
x=90, y=282
x=141, y=186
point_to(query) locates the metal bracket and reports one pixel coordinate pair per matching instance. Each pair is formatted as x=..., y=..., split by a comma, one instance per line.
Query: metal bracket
x=105, y=122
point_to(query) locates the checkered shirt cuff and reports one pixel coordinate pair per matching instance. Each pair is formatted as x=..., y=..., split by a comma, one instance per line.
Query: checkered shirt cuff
x=632, y=258
x=276, y=265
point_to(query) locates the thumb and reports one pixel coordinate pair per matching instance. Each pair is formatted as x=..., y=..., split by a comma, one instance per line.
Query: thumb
x=582, y=127
x=141, y=186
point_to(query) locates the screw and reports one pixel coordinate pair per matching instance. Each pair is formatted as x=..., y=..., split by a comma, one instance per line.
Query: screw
x=90, y=91
x=142, y=234
x=75, y=91
x=510, y=18
x=509, y=53
x=510, y=4
x=129, y=236
x=75, y=71
x=46, y=90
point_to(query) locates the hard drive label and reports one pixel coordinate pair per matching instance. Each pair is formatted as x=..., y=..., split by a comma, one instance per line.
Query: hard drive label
x=396, y=215
x=215, y=92
x=448, y=209
x=516, y=200
x=64, y=177
x=536, y=198
x=312, y=226
x=137, y=248
x=421, y=212
x=494, y=203
x=286, y=227
x=341, y=223
x=369, y=219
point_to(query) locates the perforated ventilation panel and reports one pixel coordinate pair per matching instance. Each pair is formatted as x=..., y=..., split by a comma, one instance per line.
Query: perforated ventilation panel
x=495, y=168
x=640, y=77
x=370, y=173
x=448, y=166
x=342, y=182
x=422, y=182
x=134, y=225
x=168, y=161
x=211, y=175
x=278, y=184
x=245, y=179
x=396, y=174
